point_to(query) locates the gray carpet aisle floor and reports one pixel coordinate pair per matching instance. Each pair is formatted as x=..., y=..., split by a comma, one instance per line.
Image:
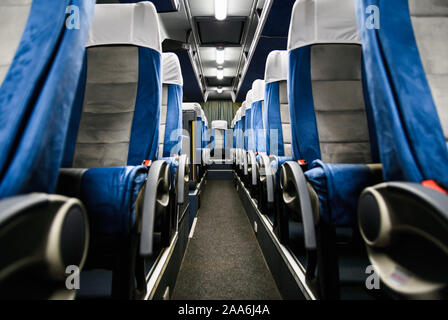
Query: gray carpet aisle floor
x=224, y=260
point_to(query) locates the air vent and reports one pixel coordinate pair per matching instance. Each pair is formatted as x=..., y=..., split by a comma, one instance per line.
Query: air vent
x=169, y=45
x=213, y=32
x=214, y=82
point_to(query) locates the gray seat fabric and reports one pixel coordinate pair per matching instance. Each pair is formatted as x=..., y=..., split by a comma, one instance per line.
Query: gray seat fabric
x=219, y=139
x=285, y=118
x=13, y=18
x=111, y=90
x=430, y=22
x=339, y=103
x=163, y=113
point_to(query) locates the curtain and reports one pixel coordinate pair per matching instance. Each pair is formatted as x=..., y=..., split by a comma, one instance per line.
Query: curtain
x=220, y=110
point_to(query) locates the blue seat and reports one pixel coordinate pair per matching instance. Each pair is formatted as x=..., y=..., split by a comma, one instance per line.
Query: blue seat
x=205, y=141
x=193, y=125
x=258, y=144
x=277, y=131
x=112, y=143
x=40, y=62
x=171, y=136
x=238, y=139
x=228, y=145
x=404, y=220
x=243, y=157
x=218, y=141
x=171, y=127
x=258, y=105
x=249, y=139
x=330, y=133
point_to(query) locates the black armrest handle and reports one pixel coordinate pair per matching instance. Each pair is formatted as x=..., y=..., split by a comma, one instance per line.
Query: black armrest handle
x=253, y=163
x=405, y=228
x=293, y=179
x=156, y=201
x=57, y=234
x=268, y=173
x=182, y=178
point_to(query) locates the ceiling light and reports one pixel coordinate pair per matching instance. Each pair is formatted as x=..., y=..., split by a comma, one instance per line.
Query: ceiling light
x=219, y=90
x=220, y=73
x=220, y=55
x=220, y=9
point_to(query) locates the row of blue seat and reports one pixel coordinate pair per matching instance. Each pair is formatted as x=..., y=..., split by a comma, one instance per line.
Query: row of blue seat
x=93, y=113
x=348, y=132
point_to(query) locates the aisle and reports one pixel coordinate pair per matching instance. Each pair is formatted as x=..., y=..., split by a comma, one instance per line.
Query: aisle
x=224, y=260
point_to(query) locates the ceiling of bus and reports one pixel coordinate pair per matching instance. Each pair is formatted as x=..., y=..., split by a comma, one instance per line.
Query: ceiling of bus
x=263, y=23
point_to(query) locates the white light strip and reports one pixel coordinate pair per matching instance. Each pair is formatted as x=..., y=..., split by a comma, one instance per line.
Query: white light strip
x=220, y=73
x=220, y=9
x=220, y=56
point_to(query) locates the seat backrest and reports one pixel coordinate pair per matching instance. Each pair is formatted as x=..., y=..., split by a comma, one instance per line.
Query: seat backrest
x=235, y=128
x=328, y=112
x=13, y=16
x=243, y=137
x=276, y=113
x=258, y=91
x=205, y=139
x=406, y=59
x=430, y=24
x=249, y=141
x=192, y=122
x=115, y=122
x=170, y=128
x=219, y=129
x=40, y=63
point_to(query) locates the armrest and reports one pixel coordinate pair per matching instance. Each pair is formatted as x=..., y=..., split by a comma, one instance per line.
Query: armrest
x=14, y=207
x=182, y=178
x=267, y=173
x=206, y=156
x=405, y=228
x=338, y=187
x=239, y=159
x=110, y=195
x=253, y=167
x=156, y=201
x=244, y=156
x=57, y=235
x=295, y=194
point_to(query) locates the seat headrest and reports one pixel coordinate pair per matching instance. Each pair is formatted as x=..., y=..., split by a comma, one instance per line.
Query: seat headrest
x=219, y=124
x=243, y=109
x=258, y=90
x=204, y=118
x=431, y=8
x=249, y=99
x=132, y=24
x=323, y=21
x=238, y=115
x=277, y=66
x=193, y=106
x=171, y=70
